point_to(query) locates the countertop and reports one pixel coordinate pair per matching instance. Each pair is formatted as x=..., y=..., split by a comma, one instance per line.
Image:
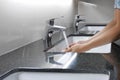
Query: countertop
x=37, y=60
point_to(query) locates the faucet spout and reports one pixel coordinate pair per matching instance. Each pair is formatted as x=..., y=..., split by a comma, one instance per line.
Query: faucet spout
x=59, y=27
x=52, y=25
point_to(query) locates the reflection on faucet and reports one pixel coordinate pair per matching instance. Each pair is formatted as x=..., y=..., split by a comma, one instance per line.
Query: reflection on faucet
x=50, y=57
x=49, y=37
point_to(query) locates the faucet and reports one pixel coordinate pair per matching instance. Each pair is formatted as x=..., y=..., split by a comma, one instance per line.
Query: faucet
x=77, y=20
x=51, y=28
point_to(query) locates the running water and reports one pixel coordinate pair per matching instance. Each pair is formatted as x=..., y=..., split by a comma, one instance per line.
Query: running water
x=66, y=40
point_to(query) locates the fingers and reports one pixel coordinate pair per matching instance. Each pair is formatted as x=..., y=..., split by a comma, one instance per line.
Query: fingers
x=68, y=49
x=74, y=47
x=72, y=44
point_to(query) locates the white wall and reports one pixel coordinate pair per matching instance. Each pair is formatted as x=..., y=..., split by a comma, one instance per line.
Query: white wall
x=96, y=11
x=23, y=21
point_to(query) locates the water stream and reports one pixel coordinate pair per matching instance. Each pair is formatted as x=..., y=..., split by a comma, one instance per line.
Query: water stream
x=66, y=40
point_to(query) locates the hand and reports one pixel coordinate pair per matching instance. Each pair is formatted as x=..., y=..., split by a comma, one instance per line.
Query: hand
x=77, y=48
x=79, y=42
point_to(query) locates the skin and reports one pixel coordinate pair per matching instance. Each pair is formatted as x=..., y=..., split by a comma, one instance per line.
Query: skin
x=109, y=34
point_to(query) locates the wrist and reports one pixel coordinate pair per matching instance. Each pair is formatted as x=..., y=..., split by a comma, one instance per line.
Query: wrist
x=91, y=44
x=87, y=46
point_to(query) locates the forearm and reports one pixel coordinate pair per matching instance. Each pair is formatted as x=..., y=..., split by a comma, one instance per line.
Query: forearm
x=107, y=37
x=110, y=25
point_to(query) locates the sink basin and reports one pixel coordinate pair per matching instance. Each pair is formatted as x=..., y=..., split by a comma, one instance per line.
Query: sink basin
x=57, y=75
x=66, y=59
x=62, y=45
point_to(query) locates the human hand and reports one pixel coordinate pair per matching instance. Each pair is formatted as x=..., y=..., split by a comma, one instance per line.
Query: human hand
x=79, y=42
x=77, y=48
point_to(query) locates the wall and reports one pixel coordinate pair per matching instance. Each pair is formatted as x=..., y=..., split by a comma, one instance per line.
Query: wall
x=24, y=21
x=96, y=11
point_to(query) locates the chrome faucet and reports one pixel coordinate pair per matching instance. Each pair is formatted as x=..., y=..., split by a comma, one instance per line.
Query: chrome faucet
x=77, y=21
x=51, y=28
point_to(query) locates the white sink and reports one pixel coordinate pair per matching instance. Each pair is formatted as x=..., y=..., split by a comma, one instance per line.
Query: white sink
x=66, y=59
x=62, y=45
x=56, y=76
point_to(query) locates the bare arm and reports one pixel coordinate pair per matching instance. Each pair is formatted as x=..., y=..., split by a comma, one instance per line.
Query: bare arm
x=110, y=25
x=108, y=35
